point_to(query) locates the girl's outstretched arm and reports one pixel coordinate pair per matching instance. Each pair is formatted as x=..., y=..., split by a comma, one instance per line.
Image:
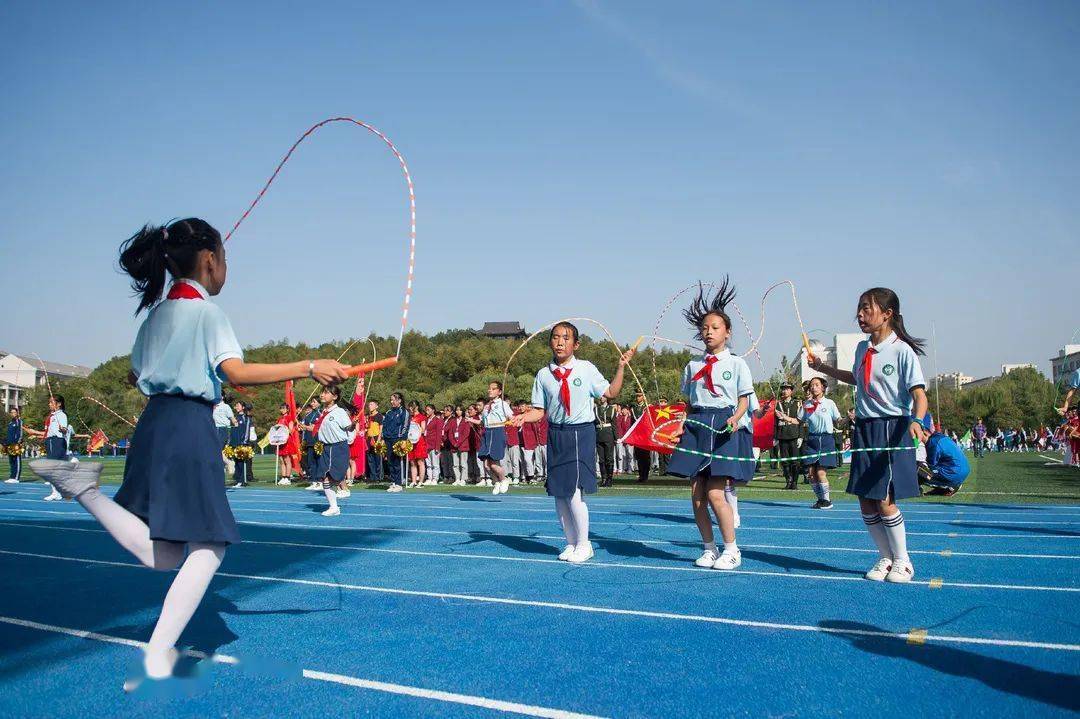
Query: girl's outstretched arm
x=323, y=371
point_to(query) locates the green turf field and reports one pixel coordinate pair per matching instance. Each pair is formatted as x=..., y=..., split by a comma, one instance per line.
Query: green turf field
x=995, y=479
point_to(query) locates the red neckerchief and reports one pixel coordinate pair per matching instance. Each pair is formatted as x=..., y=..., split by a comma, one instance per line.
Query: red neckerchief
x=705, y=373
x=319, y=421
x=810, y=408
x=563, y=374
x=183, y=291
x=48, y=420
x=867, y=368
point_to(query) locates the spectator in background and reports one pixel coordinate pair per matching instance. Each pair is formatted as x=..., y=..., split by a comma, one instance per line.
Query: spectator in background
x=978, y=436
x=433, y=438
x=624, y=455
x=374, y=433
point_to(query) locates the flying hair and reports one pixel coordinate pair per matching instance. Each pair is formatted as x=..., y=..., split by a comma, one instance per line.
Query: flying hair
x=703, y=305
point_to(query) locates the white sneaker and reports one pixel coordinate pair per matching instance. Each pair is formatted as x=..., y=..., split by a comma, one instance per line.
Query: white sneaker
x=880, y=570
x=394, y=488
x=902, y=572
x=505, y=486
x=565, y=554
x=707, y=558
x=11, y=481
x=343, y=494
x=283, y=481
x=315, y=486
x=738, y=520
x=332, y=512
x=581, y=553
x=53, y=497
x=496, y=488
x=728, y=560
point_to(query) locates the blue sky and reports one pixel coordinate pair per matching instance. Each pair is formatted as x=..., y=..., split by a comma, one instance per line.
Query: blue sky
x=583, y=158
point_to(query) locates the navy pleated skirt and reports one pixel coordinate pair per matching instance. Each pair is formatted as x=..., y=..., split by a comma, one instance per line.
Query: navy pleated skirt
x=816, y=443
x=874, y=473
x=333, y=462
x=173, y=477
x=700, y=435
x=55, y=448
x=223, y=436
x=493, y=444
x=571, y=457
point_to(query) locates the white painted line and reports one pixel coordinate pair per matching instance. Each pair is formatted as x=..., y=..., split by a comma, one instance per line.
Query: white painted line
x=402, y=689
x=560, y=539
x=507, y=601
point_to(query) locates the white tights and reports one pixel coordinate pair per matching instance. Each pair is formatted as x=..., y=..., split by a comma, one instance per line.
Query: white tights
x=187, y=589
x=574, y=517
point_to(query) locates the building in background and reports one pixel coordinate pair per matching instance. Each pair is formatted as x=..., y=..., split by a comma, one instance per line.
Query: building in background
x=1067, y=360
x=503, y=331
x=951, y=380
x=1007, y=368
x=841, y=354
x=19, y=375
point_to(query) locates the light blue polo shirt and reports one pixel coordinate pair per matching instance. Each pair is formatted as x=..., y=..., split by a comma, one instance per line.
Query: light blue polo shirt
x=497, y=412
x=335, y=427
x=223, y=415
x=180, y=346
x=822, y=419
x=58, y=425
x=586, y=384
x=895, y=371
x=731, y=380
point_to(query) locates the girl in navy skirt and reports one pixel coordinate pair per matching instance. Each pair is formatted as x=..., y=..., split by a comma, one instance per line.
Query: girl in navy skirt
x=54, y=436
x=819, y=414
x=171, y=510
x=564, y=391
x=890, y=404
x=496, y=413
x=332, y=429
x=718, y=422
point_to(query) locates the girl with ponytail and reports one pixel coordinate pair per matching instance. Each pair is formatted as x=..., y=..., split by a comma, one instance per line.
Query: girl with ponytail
x=890, y=404
x=171, y=511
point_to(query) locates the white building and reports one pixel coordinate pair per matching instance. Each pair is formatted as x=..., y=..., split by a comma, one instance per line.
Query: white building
x=1007, y=368
x=952, y=380
x=1068, y=360
x=19, y=375
x=841, y=354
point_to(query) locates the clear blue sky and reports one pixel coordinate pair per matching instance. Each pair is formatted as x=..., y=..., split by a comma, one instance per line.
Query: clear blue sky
x=570, y=159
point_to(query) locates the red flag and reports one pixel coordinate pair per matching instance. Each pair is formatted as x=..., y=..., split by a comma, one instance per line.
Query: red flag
x=653, y=429
x=97, y=441
x=765, y=426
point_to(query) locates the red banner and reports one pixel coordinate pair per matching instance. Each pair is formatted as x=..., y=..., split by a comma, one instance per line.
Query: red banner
x=653, y=429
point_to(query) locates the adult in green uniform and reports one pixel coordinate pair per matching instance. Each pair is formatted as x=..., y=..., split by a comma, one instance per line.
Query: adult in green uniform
x=788, y=430
x=605, y=441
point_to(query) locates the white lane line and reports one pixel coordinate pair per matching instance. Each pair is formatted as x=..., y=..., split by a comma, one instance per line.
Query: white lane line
x=558, y=538
x=624, y=525
x=646, y=567
x=418, y=692
x=507, y=601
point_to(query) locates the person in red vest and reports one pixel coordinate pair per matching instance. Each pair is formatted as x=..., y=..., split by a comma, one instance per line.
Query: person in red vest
x=433, y=438
x=529, y=443
x=513, y=461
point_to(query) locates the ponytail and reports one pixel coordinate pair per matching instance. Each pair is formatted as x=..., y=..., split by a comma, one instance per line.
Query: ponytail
x=174, y=247
x=886, y=300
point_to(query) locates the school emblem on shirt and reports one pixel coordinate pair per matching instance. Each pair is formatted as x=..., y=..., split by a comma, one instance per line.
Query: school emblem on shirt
x=888, y=370
x=577, y=381
x=726, y=375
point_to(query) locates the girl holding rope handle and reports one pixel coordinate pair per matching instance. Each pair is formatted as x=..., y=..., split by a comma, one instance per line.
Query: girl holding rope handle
x=564, y=392
x=890, y=404
x=715, y=444
x=171, y=510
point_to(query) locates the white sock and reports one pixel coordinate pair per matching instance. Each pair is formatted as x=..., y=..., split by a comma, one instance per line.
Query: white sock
x=131, y=532
x=731, y=547
x=877, y=533
x=732, y=497
x=183, y=598
x=710, y=546
x=816, y=486
x=566, y=519
x=331, y=496
x=580, y=512
x=894, y=530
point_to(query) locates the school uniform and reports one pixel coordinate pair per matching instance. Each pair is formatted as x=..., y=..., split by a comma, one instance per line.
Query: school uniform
x=172, y=477
x=819, y=417
x=476, y=436
x=223, y=422
x=714, y=384
x=605, y=442
x=945, y=462
x=433, y=439
x=512, y=461
x=14, y=436
x=239, y=437
x=56, y=432
x=333, y=431
x=642, y=457
x=624, y=457
x=395, y=427
x=787, y=440
x=885, y=375
x=540, y=454
x=459, y=431
x=529, y=442
x=445, y=452
x=567, y=394
x=493, y=442
x=374, y=459
x=308, y=459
